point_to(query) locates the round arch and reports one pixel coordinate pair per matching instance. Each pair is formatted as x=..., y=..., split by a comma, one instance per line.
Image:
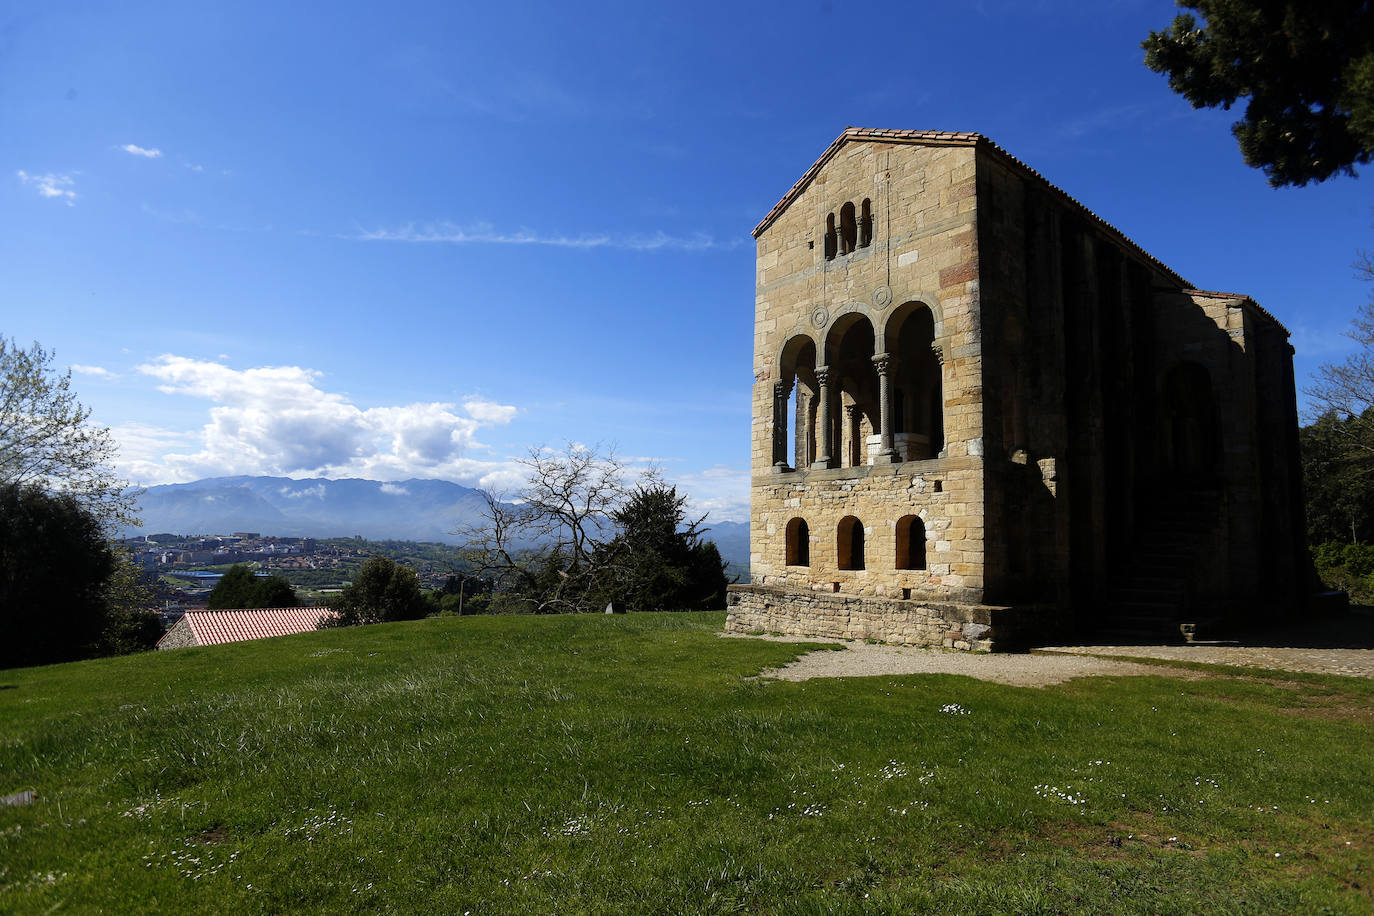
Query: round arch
x=798, y=543
x=849, y=543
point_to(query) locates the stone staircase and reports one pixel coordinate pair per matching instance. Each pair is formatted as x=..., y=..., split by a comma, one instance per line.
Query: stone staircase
x=1149, y=593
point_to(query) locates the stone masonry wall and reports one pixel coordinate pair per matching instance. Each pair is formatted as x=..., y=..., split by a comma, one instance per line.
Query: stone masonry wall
x=924, y=250
x=755, y=609
x=947, y=495
x=179, y=636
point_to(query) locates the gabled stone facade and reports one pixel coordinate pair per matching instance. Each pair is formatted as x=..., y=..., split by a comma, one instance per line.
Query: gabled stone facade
x=991, y=414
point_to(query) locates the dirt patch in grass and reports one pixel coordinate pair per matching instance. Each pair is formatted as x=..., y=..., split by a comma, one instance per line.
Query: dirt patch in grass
x=213, y=836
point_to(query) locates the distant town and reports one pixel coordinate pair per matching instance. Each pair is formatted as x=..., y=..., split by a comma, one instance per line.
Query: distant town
x=187, y=567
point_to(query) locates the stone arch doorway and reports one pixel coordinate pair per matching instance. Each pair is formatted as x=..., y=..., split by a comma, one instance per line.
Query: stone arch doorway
x=849, y=356
x=796, y=395
x=918, y=404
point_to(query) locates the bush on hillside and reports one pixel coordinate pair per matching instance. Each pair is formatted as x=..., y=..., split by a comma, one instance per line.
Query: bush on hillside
x=240, y=587
x=383, y=590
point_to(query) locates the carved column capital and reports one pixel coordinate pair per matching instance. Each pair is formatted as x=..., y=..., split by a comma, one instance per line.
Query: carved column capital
x=939, y=352
x=782, y=388
x=882, y=362
x=822, y=375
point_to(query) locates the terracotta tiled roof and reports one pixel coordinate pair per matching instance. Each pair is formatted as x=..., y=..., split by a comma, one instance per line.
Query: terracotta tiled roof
x=1245, y=300
x=213, y=627
x=950, y=138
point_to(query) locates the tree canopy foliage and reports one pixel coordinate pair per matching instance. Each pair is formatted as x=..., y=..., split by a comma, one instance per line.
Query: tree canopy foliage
x=240, y=587
x=54, y=566
x=576, y=538
x=1306, y=67
x=382, y=590
x=65, y=591
x=1338, y=445
x=46, y=439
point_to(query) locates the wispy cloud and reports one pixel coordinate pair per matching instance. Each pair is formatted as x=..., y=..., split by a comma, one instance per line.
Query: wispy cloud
x=97, y=371
x=146, y=153
x=484, y=234
x=194, y=167
x=51, y=185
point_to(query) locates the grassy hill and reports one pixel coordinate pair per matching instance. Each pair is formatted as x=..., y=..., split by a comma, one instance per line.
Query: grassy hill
x=631, y=764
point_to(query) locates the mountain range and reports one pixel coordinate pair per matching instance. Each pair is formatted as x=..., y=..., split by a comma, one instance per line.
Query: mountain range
x=407, y=510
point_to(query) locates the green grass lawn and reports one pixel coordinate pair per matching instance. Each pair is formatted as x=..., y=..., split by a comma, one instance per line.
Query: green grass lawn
x=632, y=764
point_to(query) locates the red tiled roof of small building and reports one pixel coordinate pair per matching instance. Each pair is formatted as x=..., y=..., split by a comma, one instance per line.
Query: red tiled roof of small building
x=238, y=625
x=949, y=138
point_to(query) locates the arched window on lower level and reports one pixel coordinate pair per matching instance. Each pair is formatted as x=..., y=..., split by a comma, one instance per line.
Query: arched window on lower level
x=911, y=542
x=850, y=543
x=798, y=543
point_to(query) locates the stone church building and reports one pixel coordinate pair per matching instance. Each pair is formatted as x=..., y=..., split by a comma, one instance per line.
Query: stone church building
x=983, y=416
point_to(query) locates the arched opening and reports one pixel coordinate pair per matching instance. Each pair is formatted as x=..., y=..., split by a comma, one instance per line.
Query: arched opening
x=918, y=420
x=798, y=543
x=911, y=542
x=866, y=223
x=849, y=232
x=850, y=543
x=831, y=240
x=794, y=407
x=1190, y=427
x=855, y=422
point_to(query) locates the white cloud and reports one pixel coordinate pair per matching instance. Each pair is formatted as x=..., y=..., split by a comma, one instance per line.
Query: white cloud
x=97, y=371
x=489, y=412
x=277, y=420
x=484, y=234
x=133, y=150
x=391, y=489
x=722, y=491
x=193, y=167
x=51, y=185
x=315, y=492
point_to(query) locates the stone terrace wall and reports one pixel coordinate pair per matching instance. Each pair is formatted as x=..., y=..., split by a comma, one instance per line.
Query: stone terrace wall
x=760, y=609
x=878, y=496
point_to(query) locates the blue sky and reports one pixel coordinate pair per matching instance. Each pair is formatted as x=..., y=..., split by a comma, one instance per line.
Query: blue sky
x=414, y=239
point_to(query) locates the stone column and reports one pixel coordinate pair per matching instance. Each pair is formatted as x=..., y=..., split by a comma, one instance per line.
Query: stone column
x=823, y=418
x=781, y=389
x=854, y=457
x=883, y=363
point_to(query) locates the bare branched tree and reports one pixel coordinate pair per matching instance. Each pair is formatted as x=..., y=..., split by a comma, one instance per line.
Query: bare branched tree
x=46, y=439
x=544, y=546
x=1345, y=390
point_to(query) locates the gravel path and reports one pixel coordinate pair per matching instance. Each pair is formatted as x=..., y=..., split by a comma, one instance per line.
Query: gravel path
x=1348, y=662
x=864, y=660
x=1343, y=646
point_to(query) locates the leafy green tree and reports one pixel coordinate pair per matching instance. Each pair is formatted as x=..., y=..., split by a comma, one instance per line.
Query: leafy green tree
x=659, y=561
x=55, y=564
x=1306, y=67
x=131, y=625
x=46, y=439
x=275, y=591
x=382, y=590
x=1338, y=478
x=240, y=587
x=237, y=588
